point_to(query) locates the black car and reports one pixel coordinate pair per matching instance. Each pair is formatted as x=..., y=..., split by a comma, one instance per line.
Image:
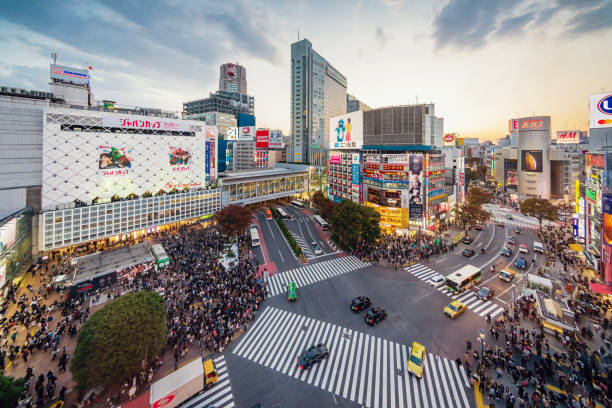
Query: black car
x=312, y=355
x=360, y=303
x=468, y=240
x=468, y=252
x=375, y=315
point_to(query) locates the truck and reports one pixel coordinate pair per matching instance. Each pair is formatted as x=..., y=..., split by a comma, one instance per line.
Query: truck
x=182, y=384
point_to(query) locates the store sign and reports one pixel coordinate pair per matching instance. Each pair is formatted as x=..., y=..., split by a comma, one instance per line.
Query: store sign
x=276, y=139
x=568, y=137
x=262, y=138
x=597, y=161
x=334, y=158
x=246, y=133
x=591, y=196
x=68, y=74
x=575, y=225
x=600, y=109
x=513, y=125
x=534, y=123
x=393, y=167
x=449, y=139
x=143, y=122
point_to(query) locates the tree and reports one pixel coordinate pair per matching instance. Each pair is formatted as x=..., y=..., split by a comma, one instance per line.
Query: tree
x=351, y=221
x=469, y=213
x=327, y=208
x=318, y=199
x=10, y=391
x=114, y=341
x=234, y=220
x=541, y=209
x=478, y=196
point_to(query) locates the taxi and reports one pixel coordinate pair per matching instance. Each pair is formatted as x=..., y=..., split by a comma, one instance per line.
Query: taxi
x=454, y=309
x=416, y=361
x=210, y=371
x=291, y=291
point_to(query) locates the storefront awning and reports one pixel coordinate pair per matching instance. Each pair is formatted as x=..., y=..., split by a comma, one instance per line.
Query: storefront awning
x=601, y=288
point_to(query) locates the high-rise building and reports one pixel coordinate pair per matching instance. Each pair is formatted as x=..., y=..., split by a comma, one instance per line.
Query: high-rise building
x=318, y=92
x=232, y=78
x=353, y=104
x=221, y=101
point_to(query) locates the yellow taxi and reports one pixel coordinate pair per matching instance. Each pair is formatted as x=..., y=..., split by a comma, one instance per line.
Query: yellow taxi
x=416, y=361
x=210, y=371
x=454, y=309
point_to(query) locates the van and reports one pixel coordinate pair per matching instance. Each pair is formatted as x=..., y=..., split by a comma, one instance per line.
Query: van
x=507, y=274
x=538, y=247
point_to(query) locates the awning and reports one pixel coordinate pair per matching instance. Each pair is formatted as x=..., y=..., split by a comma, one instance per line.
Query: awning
x=576, y=247
x=601, y=288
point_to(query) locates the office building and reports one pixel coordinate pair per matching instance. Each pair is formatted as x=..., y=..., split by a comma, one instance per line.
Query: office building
x=353, y=104
x=232, y=78
x=221, y=120
x=221, y=101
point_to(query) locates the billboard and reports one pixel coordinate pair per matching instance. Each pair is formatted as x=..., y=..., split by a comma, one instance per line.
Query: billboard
x=178, y=158
x=114, y=161
x=8, y=233
x=568, y=136
x=513, y=125
x=207, y=161
x=275, y=139
x=246, y=133
x=355, y=177
x=68, y=74
x=595, y=161
x=416, y=186
x=511, y=178
x=449, y=139
x=262, y=139
x=607, y=219
x=534, y=123
x=531, y=160
x=230, y=70
x=148, y=123
x=334, y=158
x=600, y=110
x=346, y=131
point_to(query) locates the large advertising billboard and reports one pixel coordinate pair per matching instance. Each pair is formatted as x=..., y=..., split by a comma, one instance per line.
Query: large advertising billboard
x=531, y=160
x=275, y=140
x=246, y=133
x=534, y=123
x=355, y=177
x=449, y=139
x=68, y=74
x=346, y=131
x=114, y=160
x=178, y=158
x=600, y=110
x=232, y=133
x=568, y=136
x=607, y=237
x=8, y=233
x=416, y=186
x=148, y=123
x=511, y=178
x=262, y=138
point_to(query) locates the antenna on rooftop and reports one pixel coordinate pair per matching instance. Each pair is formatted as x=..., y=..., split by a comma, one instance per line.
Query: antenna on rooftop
x=54, y=56
x=298, y=35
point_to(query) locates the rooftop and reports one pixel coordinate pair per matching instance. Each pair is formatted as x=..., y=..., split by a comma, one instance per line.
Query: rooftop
x=277, y=171
x=102, y=263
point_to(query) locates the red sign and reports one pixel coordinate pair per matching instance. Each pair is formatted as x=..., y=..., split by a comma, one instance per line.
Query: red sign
x=396, y=167
x=372, y=166
x=162, y=402
x=513, y=124
x=462, y=179
x=597, y=161
x=532, y=124
x=568, y=137
x=262, y=138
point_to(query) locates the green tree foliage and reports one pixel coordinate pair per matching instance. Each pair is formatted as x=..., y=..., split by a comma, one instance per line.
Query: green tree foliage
x=10, y=391
x=114, y=341
x=541, y=209
x=351, y=221
x=234, y=220
x=470, y=214
x=478, y=196
x=324, y=205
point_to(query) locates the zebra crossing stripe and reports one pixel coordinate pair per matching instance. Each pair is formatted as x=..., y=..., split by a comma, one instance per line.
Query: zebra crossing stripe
x=488, y=310
x=498, y=311
x=220, y=395
x=467, y=384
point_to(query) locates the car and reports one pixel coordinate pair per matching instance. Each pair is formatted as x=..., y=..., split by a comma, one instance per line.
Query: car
x=360, y=303
x=501, y=224
x=312, y=355
x=511, y=240
x=375, y=315
x=521, y=263
x=292, y=291
x=253, y=225
x=468, y=240
x=417, y=357
x=485, y=293
x=517, y=230
x=437, y=281
x=507, y=275
x=467, y=252
x=505, y=251
x=523, y=249
x=478, y=227
x=509, y=216
x=316, y=248
x=454, y=309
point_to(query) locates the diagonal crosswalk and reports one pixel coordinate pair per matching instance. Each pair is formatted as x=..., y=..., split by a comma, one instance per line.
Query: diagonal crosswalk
x=302, y=244
x=313, y=273
x=364, y=369
x=220, y=395
x=514, y=222
x=468, y=298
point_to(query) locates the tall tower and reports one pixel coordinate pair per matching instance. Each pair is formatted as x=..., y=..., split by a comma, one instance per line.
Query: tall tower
x=232, y=78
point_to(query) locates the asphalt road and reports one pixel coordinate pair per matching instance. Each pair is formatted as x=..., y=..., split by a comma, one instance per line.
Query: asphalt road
x=278, y=250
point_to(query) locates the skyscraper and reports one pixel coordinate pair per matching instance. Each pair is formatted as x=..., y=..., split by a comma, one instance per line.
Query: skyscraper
x=318, y=92
x=232, y=78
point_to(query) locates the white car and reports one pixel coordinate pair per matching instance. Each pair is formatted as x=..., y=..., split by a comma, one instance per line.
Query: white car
x=523, y=248
x=437, y=281
x=316, y=248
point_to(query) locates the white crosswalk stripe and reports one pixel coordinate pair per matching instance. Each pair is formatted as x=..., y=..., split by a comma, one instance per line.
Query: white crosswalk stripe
x=367, y=370
x=514, y=223
x=469, y=299
x=313, y=273
x=302, y=244
x=220, y=395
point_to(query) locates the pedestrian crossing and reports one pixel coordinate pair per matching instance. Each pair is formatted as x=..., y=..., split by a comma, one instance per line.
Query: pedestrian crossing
x=364, y=369
x=313, y=273
x=304, y=245
x=514, y=223
x=468, y=298
x=220, y=395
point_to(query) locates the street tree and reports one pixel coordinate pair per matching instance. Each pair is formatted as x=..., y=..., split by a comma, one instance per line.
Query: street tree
x=10, y=390
x=352, y=222
x=115, y=340
x=469, y=213
x=318, y=199
x=541, y=209
x=478, y=196
x=327, y=208
x=233, y=220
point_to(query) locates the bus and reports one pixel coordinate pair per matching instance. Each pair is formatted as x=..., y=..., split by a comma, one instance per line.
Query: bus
x=463, y=279
x=283, y=213
x=298, y=204
x=161, y=257
x=268, y=214
x=322, y=223
x=254, y=237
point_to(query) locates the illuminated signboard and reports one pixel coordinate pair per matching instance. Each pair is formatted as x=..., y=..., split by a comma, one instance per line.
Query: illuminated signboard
x=68, y=74
x=531, y=160
x=148, y=123
x=262, y=138
x=346, y=131
x=568, y=136
x=534, y=123
x=449, y=139
x=600, y=110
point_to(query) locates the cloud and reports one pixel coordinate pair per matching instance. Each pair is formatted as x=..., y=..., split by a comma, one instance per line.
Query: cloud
x=595, y=19
x=381, y=38
x=514, y=25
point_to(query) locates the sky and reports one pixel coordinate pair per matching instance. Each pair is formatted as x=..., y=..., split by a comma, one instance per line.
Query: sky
x=481, y=62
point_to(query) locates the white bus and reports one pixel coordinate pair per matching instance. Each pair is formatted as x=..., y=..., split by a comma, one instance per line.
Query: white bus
x=463, y=279
x=283, y=213
x=298, y=204
x=254, y=237
x=322, y=223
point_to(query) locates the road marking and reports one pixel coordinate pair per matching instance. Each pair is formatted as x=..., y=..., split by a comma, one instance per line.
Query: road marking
x=220, y=395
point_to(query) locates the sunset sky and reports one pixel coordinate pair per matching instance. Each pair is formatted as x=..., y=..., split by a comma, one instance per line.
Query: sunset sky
x=481, y=62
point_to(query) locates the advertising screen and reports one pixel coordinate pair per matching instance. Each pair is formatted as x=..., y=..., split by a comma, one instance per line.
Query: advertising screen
x=114, y=161
x=68, y=74
x=511, y=178
x=232, y=133
x=262, y=138
x=246, y=133
x=531, y=160
x=600, y=110
x=416, y=186
x=334, y=158
x=355, y=177
x=568, y=136
x=346, y=131
x=178, y=158
x=275, y=139
x=607, y=219
x=7, y=235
